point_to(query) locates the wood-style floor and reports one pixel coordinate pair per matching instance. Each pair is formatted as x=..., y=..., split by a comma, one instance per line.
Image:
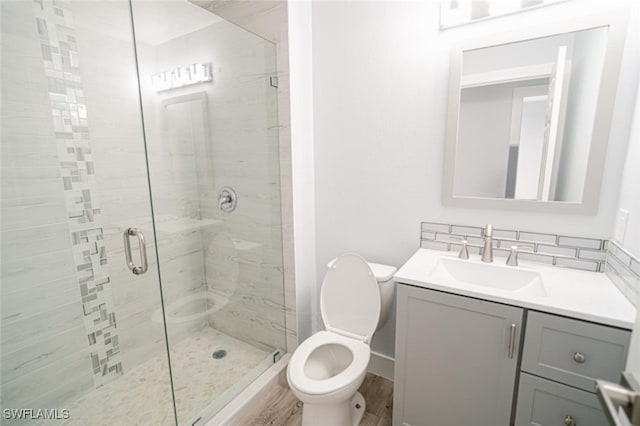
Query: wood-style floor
x=282, y=408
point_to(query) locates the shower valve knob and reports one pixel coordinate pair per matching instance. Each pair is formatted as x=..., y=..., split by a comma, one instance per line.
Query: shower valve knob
x=227, y=199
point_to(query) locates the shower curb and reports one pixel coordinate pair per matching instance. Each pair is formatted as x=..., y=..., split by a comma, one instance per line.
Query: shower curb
x=235, y=412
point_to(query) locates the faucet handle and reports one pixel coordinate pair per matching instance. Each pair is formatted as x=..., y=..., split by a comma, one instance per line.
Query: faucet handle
x=464, y=250
x=512, y=260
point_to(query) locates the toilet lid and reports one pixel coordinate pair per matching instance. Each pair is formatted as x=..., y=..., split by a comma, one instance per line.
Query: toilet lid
x=350, y=298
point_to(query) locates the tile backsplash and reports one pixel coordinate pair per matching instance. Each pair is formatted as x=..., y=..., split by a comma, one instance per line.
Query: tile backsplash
x=588, y=254
x=624, y=270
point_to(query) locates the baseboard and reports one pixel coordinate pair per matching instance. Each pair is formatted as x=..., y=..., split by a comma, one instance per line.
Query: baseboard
x=235, y=412
x=381, y=365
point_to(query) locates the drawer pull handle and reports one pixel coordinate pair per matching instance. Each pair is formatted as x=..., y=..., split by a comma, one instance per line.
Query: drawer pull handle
x=512, y=340
x=579, y=358
x=568, y=421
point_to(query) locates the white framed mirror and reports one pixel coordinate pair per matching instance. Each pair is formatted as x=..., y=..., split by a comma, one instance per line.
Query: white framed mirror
x=529, y=116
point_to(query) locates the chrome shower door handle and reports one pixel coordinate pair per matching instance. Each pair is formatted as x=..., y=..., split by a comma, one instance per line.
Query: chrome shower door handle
x=137, y=270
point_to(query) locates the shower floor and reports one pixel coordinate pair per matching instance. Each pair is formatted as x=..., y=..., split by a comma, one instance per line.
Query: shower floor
x=142, y=396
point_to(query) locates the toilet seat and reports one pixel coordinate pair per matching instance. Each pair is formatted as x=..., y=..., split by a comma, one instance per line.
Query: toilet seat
x=361, y=354
x=350, y=298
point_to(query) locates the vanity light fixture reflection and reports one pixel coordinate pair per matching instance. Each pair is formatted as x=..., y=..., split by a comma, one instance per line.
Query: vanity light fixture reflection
x=181, y=76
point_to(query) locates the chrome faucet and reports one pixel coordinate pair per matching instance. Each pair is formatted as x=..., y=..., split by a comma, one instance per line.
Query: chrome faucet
x=487, y=251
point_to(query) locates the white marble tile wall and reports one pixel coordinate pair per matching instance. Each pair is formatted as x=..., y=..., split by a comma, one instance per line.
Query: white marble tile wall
x=111, y=88
x=242, y=250
x=268, y=19
x=44, y=340
x=42, y=314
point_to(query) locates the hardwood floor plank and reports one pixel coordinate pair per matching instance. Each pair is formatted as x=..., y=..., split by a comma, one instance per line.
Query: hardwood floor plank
x=369, y=420
x=385, y=419
x=378, y=392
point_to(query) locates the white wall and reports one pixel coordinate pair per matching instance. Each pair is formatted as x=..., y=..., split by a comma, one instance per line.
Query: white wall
x=301, y=77
x=380, y=77
x=629, y=193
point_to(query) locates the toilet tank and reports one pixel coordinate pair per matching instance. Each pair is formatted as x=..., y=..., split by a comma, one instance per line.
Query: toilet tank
x=384, y=276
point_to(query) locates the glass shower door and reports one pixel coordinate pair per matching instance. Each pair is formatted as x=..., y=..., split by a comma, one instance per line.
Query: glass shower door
x=82, y=332
x=209, y=97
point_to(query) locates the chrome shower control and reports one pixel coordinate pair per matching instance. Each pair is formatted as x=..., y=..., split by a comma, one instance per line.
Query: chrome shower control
x=227, y=199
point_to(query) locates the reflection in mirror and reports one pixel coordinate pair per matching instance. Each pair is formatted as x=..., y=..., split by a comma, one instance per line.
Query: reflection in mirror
x=526, y=110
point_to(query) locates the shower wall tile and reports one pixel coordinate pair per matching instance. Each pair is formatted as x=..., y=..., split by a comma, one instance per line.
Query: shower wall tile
x=20, y=273
x=121, y=178
x=27, y=301
x=41, y=309
x=20, y=213
x=269, y=20
x=16, y=187
x=38, y=100
x=19, y=244
x=42, y=353
x=19, y=393
x=29, y=331
x=68, y=110
x=239, y=263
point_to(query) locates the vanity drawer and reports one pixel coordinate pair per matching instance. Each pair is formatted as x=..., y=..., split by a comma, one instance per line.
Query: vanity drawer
x=572, y=351
x=542, y=402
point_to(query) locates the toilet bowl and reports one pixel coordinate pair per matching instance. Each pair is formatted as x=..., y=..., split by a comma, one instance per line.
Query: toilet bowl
x=327, y=369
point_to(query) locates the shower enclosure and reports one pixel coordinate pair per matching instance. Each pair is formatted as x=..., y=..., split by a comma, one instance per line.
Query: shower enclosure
x=141, y=237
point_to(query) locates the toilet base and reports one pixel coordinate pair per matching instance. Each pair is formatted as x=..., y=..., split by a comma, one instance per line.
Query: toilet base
x=358, y=404
x=348, y=413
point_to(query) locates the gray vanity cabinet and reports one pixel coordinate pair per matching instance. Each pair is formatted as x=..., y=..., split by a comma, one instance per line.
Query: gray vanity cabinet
x=456, y=359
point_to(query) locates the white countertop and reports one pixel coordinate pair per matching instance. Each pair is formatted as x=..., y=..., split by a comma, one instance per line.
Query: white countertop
x=589, y=296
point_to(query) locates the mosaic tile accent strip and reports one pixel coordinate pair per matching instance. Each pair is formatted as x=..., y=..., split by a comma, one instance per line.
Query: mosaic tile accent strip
x=624, y=270
x=55, y=27
x=587, y=254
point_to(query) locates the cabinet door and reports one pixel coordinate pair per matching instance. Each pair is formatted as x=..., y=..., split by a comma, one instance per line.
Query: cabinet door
x=542, y=402
x=452, y=359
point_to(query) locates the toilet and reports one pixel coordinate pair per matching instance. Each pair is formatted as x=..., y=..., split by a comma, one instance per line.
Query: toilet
x=327, y=369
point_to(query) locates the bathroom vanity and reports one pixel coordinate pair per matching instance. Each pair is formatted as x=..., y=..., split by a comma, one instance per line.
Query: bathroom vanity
x=523, y=349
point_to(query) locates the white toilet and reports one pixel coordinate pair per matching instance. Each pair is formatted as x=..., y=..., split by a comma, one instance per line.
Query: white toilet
x=327, y=369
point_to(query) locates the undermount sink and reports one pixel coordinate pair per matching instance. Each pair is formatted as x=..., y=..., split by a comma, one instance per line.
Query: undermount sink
x=500, y=277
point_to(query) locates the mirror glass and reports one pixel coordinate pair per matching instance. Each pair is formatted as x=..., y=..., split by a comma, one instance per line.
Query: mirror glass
x=526, y=116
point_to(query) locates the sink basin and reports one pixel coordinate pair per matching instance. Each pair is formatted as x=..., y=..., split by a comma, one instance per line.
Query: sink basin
x=499, y=277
